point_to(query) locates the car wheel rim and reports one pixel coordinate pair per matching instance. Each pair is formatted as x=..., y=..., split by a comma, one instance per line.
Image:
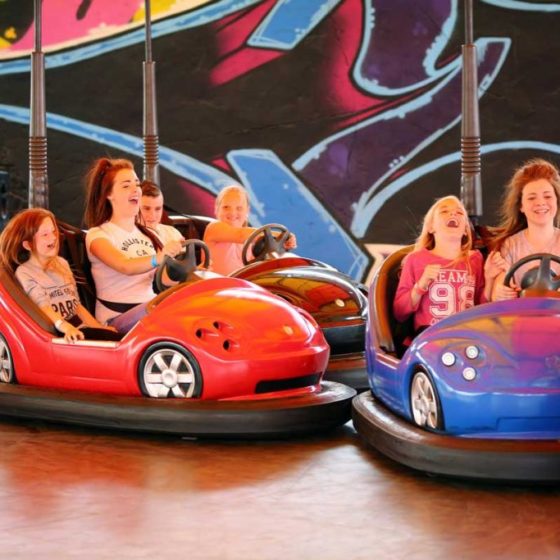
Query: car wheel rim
x=6, y=370
x=423, y=402
x=168, y=373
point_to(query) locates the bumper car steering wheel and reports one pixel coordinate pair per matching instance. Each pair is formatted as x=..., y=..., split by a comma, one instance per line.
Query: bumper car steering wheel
x=183, y=267
x=272, y=245
x=537, y=282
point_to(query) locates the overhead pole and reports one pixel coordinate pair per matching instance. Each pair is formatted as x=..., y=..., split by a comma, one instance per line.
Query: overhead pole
x=471, y=185
x=38, y=182
x=150, y=128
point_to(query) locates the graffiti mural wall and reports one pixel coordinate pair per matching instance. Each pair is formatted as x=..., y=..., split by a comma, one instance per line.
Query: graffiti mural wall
x=341, y=117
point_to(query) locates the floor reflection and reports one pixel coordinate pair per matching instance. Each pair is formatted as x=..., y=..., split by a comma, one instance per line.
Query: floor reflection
x=328, y=496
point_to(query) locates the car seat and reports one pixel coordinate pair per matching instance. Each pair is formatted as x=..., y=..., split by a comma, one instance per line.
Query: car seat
x=73, y=249
x=13, y=287
x=391, y=335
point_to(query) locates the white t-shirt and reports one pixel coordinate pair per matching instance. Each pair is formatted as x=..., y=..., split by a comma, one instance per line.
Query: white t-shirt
x=168, y=233
x=115, y=286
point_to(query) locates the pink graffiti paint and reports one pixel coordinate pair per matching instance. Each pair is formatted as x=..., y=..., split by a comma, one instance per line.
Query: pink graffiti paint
x=236, y=58
x=61, y=24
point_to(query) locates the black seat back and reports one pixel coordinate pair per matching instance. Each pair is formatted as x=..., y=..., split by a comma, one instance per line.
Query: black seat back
x=73, y=249
x=390, y=333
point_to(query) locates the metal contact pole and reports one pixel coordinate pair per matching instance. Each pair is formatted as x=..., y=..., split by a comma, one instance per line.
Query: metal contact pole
x=38, y=183
x=150, y=129
x=471, y=187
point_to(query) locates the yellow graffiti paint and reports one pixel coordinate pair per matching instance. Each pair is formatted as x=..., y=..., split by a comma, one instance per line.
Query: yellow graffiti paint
x=10, y=34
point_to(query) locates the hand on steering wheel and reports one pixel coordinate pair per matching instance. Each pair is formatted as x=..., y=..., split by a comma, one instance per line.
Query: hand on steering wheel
x=179, y=269
x=273, y=244
x=541, y=283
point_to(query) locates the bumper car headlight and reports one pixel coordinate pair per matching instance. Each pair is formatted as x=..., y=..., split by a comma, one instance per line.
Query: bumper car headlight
x=472, y=352
x=448, y=359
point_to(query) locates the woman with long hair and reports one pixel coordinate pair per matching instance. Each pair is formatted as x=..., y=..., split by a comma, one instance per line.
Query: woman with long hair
x=123, y=253
x=529, y=221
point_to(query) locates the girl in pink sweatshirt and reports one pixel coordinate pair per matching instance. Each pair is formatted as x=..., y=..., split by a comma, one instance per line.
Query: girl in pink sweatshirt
x=443, y=274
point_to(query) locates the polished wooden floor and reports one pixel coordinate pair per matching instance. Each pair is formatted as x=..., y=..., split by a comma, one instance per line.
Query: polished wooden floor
x=77, y=493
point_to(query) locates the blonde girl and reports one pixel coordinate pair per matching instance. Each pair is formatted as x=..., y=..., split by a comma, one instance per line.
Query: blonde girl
x=226, y=236
x=443, y=274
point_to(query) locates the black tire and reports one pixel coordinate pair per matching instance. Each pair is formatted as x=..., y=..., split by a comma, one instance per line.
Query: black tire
x=424, y=402
x=169, y=370
x=7, y=372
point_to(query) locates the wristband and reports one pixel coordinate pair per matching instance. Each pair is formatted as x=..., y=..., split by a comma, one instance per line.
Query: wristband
x=58, y=325
x=154, y=261
x=419, y=289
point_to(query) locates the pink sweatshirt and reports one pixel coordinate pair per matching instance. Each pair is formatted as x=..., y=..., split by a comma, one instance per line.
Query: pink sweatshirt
x=454, y=290
x=225, y=257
